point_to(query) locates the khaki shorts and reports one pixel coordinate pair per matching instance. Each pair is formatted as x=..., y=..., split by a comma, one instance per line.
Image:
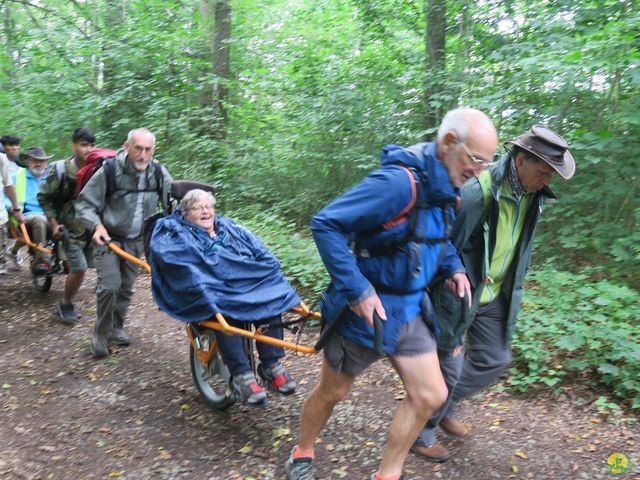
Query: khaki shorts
x=350, y=358
x=79, y=259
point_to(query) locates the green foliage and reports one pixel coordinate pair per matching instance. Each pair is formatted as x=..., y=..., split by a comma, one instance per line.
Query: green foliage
x=574, y=328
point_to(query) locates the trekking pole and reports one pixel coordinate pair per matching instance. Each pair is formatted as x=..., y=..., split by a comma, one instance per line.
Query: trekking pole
x=464, y=311
x=329, y=329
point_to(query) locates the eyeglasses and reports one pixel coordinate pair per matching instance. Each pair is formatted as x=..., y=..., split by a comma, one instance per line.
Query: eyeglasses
x=474, y=158
x=202, y=208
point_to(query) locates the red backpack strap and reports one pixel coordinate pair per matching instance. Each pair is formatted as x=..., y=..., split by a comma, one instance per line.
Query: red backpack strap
x=402, y=216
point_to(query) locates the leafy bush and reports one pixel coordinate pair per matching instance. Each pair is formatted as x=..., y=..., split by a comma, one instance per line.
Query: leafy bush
x=572, y=327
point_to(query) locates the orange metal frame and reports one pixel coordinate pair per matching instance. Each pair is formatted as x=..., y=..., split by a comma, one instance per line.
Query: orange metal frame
x=25, y=237
x=218, y=322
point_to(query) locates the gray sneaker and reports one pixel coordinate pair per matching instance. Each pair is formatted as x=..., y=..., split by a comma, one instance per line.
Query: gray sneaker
x=99, y=348
x=248, y=391
x=299, y=468
x=118, y=337
x=66, y=313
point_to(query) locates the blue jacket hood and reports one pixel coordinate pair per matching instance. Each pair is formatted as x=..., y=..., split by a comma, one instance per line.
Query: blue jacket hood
x=422, y=157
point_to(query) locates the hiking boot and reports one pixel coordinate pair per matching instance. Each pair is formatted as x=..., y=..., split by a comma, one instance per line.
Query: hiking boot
x=118, y=337
x=434, y=453
x=99, y=348
x=66, y=313
x=277, y=379
x=299, y=468
x=454, y=427
x=246, y=389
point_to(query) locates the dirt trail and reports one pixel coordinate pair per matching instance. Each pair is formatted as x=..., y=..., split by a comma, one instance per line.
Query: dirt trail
x=137, y=415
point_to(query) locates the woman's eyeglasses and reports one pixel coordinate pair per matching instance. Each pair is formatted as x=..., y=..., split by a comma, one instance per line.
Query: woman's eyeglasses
x=202, y=208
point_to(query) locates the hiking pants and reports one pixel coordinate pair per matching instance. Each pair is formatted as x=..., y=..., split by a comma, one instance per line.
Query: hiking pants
x=233, y=352
x=487, y=357
x=115, y=285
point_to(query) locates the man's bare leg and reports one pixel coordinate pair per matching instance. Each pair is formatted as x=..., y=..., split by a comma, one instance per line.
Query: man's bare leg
x=425, y=392
x=71, y=286
x=332, y=388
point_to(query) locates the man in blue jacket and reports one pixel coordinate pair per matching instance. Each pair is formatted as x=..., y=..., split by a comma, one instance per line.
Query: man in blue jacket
x=396, y=220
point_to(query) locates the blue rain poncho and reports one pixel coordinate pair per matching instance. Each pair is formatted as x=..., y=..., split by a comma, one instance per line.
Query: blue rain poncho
x=195, y=275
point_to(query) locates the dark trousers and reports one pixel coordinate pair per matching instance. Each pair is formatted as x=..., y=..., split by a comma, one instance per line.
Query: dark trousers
x=488, y=355
x=115, y=286
x=233, y=352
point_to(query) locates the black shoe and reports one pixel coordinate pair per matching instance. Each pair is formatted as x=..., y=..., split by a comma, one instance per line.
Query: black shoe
x=67, y=313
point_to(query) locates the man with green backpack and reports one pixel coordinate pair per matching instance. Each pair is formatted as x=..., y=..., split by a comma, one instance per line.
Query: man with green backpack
x=493, y=232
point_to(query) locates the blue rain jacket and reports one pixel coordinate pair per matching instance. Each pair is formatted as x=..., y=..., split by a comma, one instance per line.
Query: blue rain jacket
x=195, y=276
x=377, y=199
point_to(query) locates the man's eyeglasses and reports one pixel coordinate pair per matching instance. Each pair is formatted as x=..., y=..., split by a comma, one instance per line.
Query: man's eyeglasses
x=474, y=158
x=202, y=208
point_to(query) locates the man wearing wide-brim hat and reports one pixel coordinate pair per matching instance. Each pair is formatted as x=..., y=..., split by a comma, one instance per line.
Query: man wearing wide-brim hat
x=27, y=183
x=494, y=232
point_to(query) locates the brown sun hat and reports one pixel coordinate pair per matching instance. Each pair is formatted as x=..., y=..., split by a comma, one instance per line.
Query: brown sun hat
x=37, y=153
x=546, y=144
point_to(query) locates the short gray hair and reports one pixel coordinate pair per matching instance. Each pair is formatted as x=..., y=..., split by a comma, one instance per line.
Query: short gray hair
x=458, y=120
x=140, y=130
x=192, y=196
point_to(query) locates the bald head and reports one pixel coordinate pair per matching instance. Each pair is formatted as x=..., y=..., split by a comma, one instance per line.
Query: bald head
x=467, y=141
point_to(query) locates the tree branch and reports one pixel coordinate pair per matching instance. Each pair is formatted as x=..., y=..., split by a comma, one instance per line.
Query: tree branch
x=64, y=20
x=59, y=50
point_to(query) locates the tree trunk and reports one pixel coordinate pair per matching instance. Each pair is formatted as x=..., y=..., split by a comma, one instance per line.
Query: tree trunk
x=221, y=68
x=115, y=16
x=9, y=37
x=436, y=12
x=218, y=95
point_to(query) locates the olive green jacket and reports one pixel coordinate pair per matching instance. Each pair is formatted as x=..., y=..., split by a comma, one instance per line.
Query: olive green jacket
x=476, y=220
x=57, y=196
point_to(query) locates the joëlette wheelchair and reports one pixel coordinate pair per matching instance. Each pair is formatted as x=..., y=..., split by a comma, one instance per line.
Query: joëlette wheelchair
x=210, y=374
x=41, y=280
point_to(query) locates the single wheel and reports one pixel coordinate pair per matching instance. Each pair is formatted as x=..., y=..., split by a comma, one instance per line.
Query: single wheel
x=42, y=282
x=212, y=381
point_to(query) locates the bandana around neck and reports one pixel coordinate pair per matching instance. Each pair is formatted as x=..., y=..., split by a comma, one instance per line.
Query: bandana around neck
x=514, y=182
